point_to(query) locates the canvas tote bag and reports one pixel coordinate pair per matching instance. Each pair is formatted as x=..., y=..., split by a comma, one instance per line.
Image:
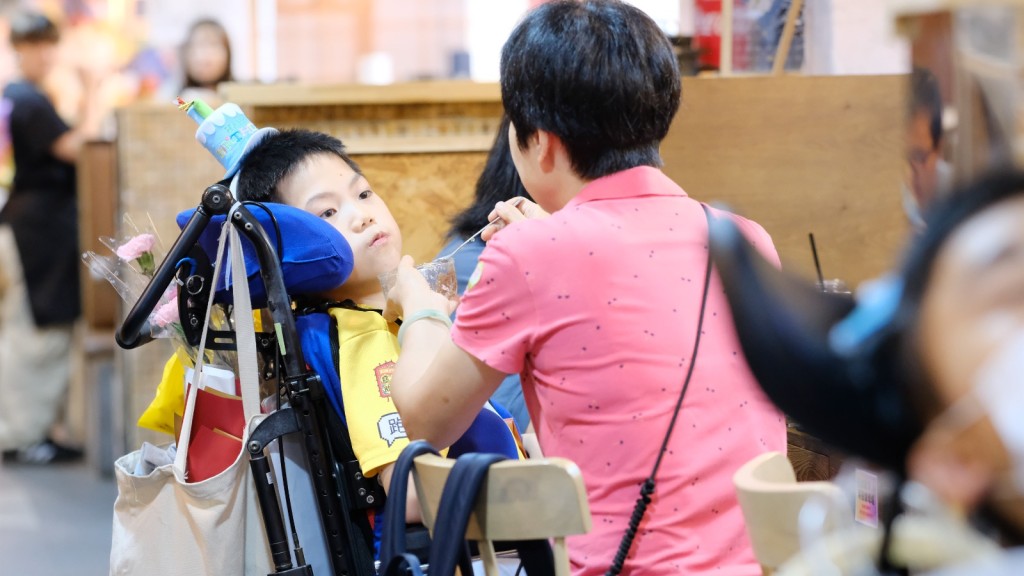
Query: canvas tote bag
x=164, y=525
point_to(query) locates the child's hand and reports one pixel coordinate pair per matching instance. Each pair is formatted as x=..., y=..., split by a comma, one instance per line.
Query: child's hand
x=509, y=211
x=411, y=293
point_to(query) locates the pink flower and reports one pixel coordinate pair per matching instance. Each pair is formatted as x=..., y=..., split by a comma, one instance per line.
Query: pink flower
x=166, y=314
x=136, y=247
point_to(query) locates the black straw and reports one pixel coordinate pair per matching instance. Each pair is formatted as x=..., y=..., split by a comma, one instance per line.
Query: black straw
x=817, y=263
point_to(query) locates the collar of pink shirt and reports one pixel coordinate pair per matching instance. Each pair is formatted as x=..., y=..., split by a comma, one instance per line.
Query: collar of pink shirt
x=631, y=183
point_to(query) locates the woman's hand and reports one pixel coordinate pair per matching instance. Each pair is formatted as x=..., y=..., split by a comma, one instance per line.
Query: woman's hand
x=412, y=293
x=509, y=211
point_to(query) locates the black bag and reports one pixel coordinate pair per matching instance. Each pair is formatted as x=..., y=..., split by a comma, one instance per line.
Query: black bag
x=449, y=546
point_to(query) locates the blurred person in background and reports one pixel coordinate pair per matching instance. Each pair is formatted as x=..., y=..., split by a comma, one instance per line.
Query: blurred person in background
x=39, y=283
x=205, y=61
x=928, y=175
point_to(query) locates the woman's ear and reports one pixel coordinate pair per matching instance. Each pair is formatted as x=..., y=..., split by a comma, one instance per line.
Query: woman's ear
x=549, y=147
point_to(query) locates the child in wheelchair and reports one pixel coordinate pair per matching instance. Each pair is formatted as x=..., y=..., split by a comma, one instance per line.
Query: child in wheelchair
x=312, y=171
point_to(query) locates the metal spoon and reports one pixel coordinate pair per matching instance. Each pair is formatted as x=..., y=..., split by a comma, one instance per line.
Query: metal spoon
x=516, y=201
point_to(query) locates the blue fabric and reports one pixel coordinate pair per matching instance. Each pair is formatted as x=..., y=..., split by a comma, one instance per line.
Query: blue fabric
x=510, y=392
x=378, y=530
x=487, y=434
x=315, y=337
x=316, y=257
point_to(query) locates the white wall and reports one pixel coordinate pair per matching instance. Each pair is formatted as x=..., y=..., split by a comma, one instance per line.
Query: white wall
x=489, y=22
x=853, y=37
x=170, y=20
x=488, y=25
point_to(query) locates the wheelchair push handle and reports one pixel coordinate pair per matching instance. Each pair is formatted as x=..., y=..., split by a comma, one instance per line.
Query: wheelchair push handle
x=134, y=331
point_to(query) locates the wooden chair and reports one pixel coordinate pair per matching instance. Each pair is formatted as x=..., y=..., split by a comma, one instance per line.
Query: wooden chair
x=520, y=500
x=771, y=500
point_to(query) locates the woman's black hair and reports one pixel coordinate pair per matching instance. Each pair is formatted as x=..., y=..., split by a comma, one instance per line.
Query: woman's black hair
x=498, y=181
x=598, y=74
x=33, y=27
x=190, y=81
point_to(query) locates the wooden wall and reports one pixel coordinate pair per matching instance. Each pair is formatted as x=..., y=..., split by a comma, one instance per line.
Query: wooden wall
x=798, y=155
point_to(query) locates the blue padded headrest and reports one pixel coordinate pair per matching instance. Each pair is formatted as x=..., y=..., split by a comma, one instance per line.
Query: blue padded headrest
x=315, y=258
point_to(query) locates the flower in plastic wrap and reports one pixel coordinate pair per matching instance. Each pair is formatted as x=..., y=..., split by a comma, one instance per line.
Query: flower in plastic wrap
x=139, y=249
x=166, y=314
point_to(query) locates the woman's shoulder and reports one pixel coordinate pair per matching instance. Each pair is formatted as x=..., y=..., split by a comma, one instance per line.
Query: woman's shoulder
x=753, y=232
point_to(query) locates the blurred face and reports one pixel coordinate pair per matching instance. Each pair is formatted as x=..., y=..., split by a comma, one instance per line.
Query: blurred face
x=328, y=187
x=973, y=308
x=36, y=59
x=206, y=57
x=922, y=157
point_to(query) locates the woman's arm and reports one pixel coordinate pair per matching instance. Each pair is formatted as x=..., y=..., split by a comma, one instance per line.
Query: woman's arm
x=437, y=387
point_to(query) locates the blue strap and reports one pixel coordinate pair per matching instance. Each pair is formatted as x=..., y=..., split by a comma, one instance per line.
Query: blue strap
x=315, y=336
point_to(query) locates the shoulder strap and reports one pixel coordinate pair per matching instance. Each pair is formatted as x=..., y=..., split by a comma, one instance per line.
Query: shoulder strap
x=315, y=332
x=647, y=489
x=393, y=541
x=458, y=499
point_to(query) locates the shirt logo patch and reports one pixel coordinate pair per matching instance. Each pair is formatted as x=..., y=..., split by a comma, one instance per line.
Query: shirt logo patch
x=475, y=277
x=384, y=373
x=391, y=428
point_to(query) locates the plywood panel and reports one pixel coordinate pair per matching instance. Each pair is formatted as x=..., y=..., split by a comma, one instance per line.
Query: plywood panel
x=423, y=192
x=97, y=209
x=800, y=155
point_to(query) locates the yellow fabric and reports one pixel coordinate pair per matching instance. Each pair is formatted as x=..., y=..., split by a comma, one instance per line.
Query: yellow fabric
x=367, y=352
x=169, y=400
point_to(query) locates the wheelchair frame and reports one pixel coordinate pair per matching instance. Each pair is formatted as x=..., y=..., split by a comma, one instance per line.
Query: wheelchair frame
x=306, y=413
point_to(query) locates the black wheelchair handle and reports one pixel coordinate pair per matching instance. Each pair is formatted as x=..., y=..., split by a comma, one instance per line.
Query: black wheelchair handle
x=134, y=331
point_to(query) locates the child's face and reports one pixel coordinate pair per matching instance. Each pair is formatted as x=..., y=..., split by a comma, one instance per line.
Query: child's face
x=326, y=186
x=36, y=59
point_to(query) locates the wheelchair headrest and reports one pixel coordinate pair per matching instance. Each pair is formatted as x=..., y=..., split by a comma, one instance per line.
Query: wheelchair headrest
x=851, y=401
x=314, y=256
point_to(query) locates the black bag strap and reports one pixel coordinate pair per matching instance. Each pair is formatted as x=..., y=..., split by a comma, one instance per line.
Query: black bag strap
x=393, y=540
x=647, y=489
x=458, y=499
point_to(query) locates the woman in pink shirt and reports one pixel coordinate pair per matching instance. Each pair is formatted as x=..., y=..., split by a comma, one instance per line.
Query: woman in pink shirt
x=597, y=305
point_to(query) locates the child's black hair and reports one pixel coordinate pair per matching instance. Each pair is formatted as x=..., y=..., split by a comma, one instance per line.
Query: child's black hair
x=32, y=28
x=273, y=159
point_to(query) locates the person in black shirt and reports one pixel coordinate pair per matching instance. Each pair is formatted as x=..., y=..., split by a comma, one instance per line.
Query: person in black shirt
x=39, y=283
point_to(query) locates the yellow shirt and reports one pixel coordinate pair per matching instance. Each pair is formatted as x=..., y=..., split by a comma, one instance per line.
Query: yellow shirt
x=367, y=352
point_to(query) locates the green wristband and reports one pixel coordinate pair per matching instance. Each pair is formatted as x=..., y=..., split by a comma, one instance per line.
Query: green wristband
x=420, y=315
